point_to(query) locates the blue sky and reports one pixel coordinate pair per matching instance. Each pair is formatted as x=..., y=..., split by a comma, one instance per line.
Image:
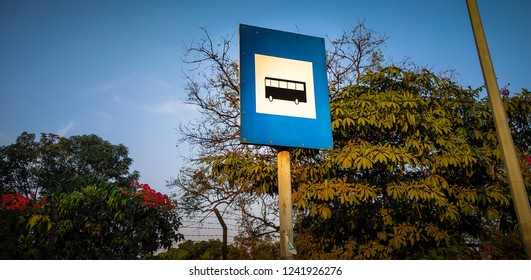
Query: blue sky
x=113, y=68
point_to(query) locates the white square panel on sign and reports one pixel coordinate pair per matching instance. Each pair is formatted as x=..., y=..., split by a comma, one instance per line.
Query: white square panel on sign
x=284, y=87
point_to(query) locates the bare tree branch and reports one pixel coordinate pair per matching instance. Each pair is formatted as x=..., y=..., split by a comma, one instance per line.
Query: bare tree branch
x=213, y=178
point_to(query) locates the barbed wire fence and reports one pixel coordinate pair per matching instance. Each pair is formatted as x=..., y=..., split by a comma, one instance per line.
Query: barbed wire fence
x=205, y=227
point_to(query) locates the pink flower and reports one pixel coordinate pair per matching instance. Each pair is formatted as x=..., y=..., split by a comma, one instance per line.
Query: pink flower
x=505, y=92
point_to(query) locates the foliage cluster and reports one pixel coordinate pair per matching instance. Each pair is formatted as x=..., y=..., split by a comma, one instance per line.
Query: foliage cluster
x=212, y=250
x=416, y=169
x=415, y=172
x=68, y=198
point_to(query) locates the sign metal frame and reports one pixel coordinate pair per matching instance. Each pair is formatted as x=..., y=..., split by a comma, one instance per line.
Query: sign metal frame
x=293, y=60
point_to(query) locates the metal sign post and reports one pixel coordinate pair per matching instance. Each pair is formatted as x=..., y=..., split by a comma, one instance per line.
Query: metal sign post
x=284, y=102
x=516, y=182
x=285, y=205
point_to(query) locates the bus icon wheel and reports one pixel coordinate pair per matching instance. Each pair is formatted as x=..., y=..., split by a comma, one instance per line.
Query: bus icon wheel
x=296, y=101
x=270, y=98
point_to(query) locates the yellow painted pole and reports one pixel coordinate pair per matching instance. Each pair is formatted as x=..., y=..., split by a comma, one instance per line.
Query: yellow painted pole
x=518, y=191
x=285, y=204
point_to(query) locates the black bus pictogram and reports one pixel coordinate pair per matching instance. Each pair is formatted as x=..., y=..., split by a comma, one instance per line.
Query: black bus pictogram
x=285, y=90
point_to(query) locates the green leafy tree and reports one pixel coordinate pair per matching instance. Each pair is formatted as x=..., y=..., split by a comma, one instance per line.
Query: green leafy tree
x=212, y=250
x=415, y=171
x=194, y=250
x=97, y=222
x=262, y=249
x=54, y=164
x=72, y=198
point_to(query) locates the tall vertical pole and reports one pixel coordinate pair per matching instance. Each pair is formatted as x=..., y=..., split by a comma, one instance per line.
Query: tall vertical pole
x=518, y=191
x=224, y=248
x=285, y=204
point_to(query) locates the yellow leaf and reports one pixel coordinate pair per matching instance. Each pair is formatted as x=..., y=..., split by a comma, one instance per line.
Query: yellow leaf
x=347, y=163
x=33, y=220
x=326, y=213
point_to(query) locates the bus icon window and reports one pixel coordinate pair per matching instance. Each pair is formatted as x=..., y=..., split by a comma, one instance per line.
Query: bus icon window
x=285, y=90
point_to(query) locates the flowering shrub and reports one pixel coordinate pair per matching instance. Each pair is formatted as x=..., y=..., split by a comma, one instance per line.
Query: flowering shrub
x=96, y=222
x=151, y=197
x=19, y=202
x=14, y=201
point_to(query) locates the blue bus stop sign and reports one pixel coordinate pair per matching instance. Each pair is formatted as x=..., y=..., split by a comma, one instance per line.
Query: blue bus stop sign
x=283, y=89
